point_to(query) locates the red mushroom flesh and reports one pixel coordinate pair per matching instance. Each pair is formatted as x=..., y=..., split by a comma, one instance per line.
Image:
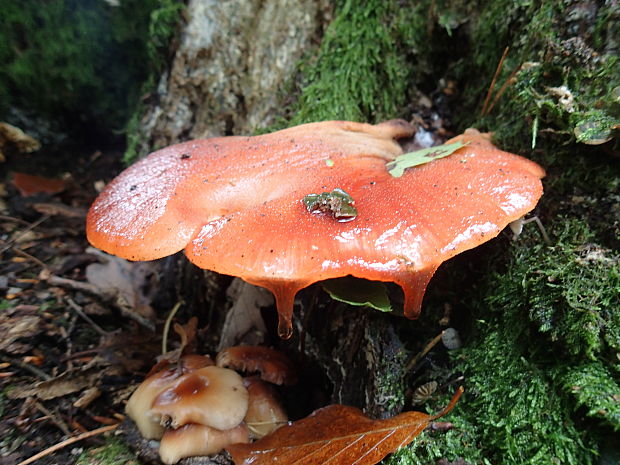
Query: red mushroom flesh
x=235, y=205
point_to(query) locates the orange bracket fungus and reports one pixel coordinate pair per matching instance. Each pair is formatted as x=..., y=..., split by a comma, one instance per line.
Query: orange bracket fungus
x=240, y=206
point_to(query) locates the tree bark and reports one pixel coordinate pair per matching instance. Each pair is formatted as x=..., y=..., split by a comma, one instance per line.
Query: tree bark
x=233, y=59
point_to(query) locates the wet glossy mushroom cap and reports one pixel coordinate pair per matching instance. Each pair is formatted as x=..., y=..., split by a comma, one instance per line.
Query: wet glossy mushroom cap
x=210, y=396
x=265, y=413
x=197, y=440
x=155, y=207
x=272, y=364
x=405, y=227
x=139, y=405
x=236, y=206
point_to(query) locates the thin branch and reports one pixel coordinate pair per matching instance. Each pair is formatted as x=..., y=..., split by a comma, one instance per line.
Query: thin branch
x=62, y=426
x=411, y=365
x=498, y=70
x=67, y=442
x=26, y=366
x=32, y=258
x=11, y=243
x=85, y=317
x=164, y=339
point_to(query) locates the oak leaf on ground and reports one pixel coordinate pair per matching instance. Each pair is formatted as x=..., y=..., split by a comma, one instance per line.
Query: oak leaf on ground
x=336, y=435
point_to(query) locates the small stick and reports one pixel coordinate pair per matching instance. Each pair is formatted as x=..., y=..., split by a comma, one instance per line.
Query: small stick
x=54, y=280
x=26, y=230
x=502, y=89
x=32, y=258
x=427, y=349
x=498, y=70
x=164, y=339
x=26, y=366
x=62, y=426
x=85, y=317
x=68, y=442
x=10, y=218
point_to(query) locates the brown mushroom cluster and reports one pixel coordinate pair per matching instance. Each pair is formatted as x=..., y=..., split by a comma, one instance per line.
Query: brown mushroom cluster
x=314, y=202
x=195, y=407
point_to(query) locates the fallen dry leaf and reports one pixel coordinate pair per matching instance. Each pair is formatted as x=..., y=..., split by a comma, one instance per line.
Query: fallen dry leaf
x=18, y=327
x=244, y=316
x=336, y=435
x=62, y=385
x=10, y=134
x=130, y=283
x=59, y=209
x=31, y=184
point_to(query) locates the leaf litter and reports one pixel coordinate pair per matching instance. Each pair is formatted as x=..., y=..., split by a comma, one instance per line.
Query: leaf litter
x=336, y=435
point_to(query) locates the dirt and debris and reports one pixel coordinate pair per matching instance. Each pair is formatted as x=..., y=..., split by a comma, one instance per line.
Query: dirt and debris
x=69, y=353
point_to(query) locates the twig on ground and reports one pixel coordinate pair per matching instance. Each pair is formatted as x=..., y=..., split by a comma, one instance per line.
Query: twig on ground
x=62, y=426
x=411, y=365
x=54, y=280
x=67, y=442
x=32, y=258
x=12, y=242
x=85, y=317
x=26, y=366
x=107, y=297
x=16, y=220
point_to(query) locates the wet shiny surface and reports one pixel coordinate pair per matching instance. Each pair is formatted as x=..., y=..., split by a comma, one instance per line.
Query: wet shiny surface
x=256, y=226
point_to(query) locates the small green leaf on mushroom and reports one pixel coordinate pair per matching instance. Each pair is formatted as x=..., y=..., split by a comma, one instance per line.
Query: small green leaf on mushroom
x=408, y=160
x=337, y=202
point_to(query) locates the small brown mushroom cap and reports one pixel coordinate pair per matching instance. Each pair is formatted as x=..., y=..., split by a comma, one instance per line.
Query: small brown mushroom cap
x=139, y=404
x=198, y=440
x=265, y=413
x=272, y=365
x=210, y=396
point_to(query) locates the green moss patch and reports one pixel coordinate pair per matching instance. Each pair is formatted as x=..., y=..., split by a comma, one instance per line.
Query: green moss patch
x=81, y=62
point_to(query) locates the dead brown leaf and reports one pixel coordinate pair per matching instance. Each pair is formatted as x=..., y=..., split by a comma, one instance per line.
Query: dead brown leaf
x=59, y=209
x=31, y=184
x=17, y=326
x=66, y=383
x=336, y=435
x=129, y=282
x=244, y=316
x=24, y=143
